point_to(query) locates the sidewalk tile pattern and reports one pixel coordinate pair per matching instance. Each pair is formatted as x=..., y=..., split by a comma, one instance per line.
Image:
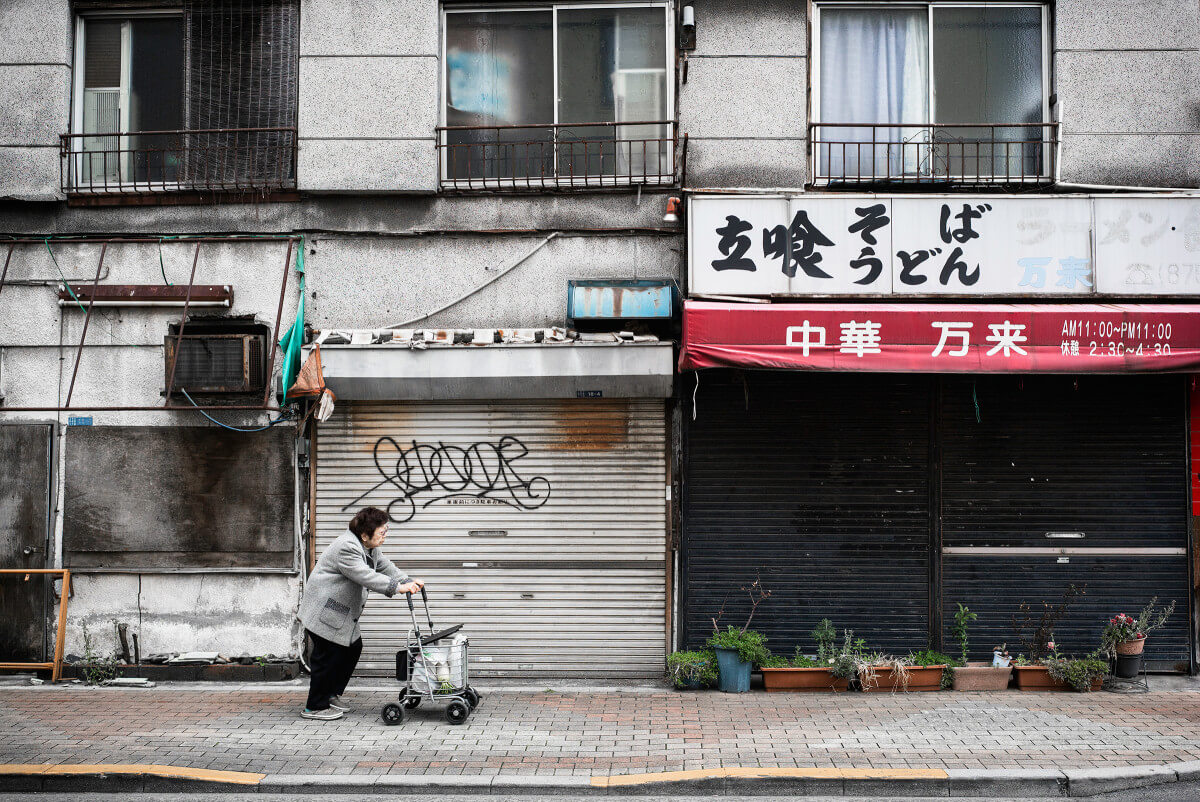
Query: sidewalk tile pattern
x=597, y=734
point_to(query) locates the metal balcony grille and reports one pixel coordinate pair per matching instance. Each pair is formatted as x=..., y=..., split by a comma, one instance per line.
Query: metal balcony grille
x=583, y=155
x=208, y=160
x=956, y=155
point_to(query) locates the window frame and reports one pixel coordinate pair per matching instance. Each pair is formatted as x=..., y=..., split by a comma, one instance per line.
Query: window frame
x=667, y=7
x=814, y=51
x=78, y=70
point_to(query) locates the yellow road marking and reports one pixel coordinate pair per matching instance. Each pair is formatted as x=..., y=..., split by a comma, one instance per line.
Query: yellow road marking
x=147, y=769
x=814, y=773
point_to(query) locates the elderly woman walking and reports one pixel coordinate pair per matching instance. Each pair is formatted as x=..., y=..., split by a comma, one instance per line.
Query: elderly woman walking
x=333, y=601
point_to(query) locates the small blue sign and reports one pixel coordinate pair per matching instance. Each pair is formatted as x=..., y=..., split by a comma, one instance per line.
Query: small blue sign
x=77, y=420
x=589, y=393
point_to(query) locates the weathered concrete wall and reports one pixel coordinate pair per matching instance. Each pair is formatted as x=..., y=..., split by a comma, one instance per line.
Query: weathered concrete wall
x=1128, y=79
x=227, y=613
x=353, y=214
x=123, y=357
x=744, y=105
x=378, y=282
x=369, y=93
x=35, y=90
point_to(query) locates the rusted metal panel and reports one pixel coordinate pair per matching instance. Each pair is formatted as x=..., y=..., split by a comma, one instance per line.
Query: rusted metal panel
x=147, y=294
x=541, y=525
x=620, y=300
x=25, y=474
x=162, y=497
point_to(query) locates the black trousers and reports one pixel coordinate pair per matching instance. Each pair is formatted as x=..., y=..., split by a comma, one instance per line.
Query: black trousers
x=331, y=665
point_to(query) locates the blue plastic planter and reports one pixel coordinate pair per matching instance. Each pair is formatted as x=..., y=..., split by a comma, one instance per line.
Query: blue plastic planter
x=734, y=675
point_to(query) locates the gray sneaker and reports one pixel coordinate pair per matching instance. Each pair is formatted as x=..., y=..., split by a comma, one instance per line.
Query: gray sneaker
x=336, y=703
x=328, y=714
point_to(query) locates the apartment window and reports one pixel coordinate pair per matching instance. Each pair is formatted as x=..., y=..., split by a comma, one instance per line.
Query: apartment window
x=931, y=92
x=132, y=83
x=557, y=95
x=199, y=96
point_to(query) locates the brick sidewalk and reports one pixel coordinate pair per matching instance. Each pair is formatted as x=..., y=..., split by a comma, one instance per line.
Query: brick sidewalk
x=576, y=733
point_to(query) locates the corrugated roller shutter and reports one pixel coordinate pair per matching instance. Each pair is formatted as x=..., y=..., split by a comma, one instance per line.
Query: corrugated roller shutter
x=1062, y=462
x=538, y=525
x=818, y=484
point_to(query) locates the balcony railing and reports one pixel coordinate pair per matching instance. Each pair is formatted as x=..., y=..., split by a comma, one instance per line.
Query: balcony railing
x=583, y=155
x=956, y=155
x=221, y=160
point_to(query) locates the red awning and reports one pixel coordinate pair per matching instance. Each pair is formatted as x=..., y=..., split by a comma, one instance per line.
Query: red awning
x=943, y=338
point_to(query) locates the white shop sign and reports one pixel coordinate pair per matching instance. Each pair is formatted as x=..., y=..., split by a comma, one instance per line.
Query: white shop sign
x=808, y=245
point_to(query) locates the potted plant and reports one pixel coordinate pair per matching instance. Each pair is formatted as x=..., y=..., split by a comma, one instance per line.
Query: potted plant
x=929, y=670
x=802, y=673
x=1082, y=674
x=692, y=670
x=1036, y=637
x=1125, y=636
x=739, y=650
x=975, y=676
x=882, y=672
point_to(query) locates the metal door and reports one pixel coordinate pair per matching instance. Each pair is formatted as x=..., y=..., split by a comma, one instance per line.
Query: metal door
x=539, y=525
x=819, y=485
x=24, y=535
x=1049, y=481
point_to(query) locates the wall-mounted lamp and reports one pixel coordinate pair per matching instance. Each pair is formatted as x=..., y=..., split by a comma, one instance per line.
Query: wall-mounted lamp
x=674, y=206
x=687, y=28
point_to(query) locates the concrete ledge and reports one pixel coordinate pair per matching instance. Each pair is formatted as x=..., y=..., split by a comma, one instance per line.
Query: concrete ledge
x=1089, y=782
x=1007, y=782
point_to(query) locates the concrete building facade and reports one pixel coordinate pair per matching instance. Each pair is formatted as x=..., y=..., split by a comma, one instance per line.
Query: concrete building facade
x=395, y=240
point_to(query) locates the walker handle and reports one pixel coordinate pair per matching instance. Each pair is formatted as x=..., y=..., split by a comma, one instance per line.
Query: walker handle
x=425, y=600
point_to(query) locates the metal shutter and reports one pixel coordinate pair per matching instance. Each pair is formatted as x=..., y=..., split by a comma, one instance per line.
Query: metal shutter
x=818, y=483
x=551, y=554
x=1051, y=458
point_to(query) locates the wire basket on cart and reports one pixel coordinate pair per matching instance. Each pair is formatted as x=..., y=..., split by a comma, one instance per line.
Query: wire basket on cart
x=433, y=668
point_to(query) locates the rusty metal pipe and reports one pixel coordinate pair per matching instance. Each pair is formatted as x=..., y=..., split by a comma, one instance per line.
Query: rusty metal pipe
x=4, y=273
x=287, y=268
x=187, y=302
x=87, y=319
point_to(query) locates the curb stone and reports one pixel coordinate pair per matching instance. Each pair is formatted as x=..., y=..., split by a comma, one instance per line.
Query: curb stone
x=1007, y=782
x=1089, y=782
x=1189, y=770
x=958, y=782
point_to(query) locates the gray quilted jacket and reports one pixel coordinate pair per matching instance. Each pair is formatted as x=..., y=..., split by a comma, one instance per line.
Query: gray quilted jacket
x=336, y=589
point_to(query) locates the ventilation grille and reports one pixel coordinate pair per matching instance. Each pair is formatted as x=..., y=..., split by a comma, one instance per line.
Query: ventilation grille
x=217, y=363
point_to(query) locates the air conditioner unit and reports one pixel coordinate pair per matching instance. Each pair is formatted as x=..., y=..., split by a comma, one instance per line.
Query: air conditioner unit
x=217, y=363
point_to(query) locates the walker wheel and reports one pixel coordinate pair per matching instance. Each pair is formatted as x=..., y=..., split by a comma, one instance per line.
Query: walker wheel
x=457, y=712
x=392, y=714
x=472, y=697
x=411, y=702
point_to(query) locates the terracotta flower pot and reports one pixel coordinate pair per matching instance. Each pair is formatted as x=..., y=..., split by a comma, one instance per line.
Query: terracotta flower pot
x=981, y=677
x=1131, y=646
x=801, y=679
x=1037, y=678
x=920, y=678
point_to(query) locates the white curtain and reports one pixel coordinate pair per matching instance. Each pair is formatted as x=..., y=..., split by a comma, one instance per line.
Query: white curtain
x=874, y=71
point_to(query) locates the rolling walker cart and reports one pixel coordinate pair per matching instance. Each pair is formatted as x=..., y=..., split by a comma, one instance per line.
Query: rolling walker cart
x=433, y=668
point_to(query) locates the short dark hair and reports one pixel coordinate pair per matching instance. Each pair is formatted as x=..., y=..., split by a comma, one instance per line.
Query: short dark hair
x=367, y=521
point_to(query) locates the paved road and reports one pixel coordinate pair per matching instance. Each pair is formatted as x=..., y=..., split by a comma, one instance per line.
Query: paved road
x=1175, y=792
